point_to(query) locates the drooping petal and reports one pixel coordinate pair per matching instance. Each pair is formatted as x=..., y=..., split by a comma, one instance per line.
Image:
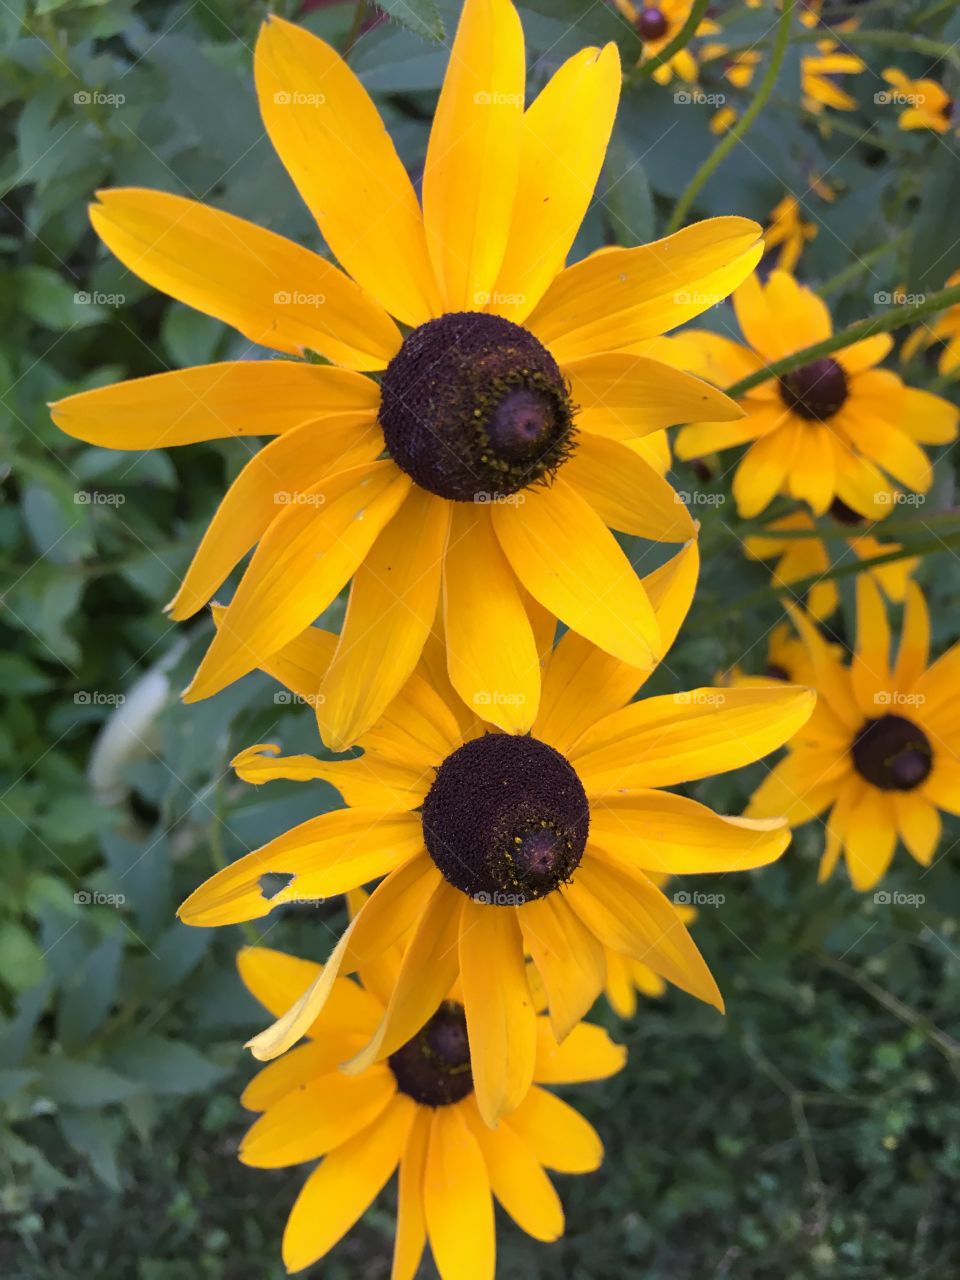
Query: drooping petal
x=626, y=492
x=557, y=1135
x=870, y=667
x=492, y=656
x=278, y=980
x=213, y=402
x=587, y=1053
x=918, y=823
x=568, y=560
x=329, y=135
x=621, y=296
x=343, y=1186
x=914, y=650
x=275, y=477
x=394, y=594
x=556, y=183
x=303, y=560
x=273, y=291
x=411, y=1222
x=457, y=1200
x=473, y=158
x=322, y=856
x=501, y=1023
x=364, y=783
x=518, y=1180
x=568, y=959
x=659, y=742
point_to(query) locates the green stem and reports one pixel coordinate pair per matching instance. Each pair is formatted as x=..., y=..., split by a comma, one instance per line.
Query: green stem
x=843, y=278
x=679, y=41
x=894, y=319
x=733, y=136
x=890, y=528
x=902, y=41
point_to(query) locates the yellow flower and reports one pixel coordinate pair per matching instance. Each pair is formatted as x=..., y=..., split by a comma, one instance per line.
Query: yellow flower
x=627, y=976
x=494, y=480
x=880, y=752
x=657, y=25
x=803, y=557
x=495, y=845
x=416, y=1113
x=788, y=230
x=945, y=329
x=787, y=663
x=818, y=74
x=928, y=105
x=834, y=428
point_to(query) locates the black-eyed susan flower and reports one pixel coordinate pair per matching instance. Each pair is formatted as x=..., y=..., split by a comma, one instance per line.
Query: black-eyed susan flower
x=925, y=103
x=657, y=25
x=819, y=71
x=798, y=557
x=946, y=329
x=416, y=1115
x=835, y=428
x=881, y=752
x=494, y=846
x=486, y=457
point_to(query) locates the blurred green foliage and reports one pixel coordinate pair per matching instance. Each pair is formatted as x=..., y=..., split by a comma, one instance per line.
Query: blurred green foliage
x=813, y=1131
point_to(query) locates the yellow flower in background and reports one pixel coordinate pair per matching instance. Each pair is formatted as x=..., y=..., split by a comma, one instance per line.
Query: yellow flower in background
x=497, y=845
x=789, y=232
x=927, y=105
x=493, y=481
x=835, y=428
x=818, y=74
x=626, y=977
x=723, y=120
x=800, y=558
x=880, y=752
x=417, y=1114
x=657, y=25
x=945, y=329
x=787, y=663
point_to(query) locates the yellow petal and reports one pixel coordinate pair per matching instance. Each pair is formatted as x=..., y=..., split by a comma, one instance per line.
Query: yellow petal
x=301, y=663
x=212, y=402
x=870, y=668
x=364, y=783
x=411, y=1223
x=294, y=1070
x=320, y=1115
x=391, y=609
x=567, y=559
x=457, y=1199
x=886, y=445
x=802, y=785
x=323, y=856
x=871, y=838
x=626, y=492
x=662, y=832
x=913, y=653
x=275, y=477
x=501, y=1023
x=491, y=652
x=556, y=183
x=306, y=555
x=473, y=158
x=918, y=823
x=278, y=980
x=518, y=1180
x=568, y=959
x=763, y=470
x=343, y=1186
x=832, y=681
x=701, y=438
x=329, y=135
x=680, y=737
x=613, y=299
x=865, y=353
x=587, y=1053
x=274, y=292
x=557, y=1135
x=812, y=474
x=629, y=913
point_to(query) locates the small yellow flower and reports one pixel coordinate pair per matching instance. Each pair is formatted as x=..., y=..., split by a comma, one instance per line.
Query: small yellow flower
x=800, y=558
x=657, y=25
x=880, y=752
x=818, y=73
x=835, y=428
x=945, y=329
x=417, y=1114
x=789, y=231
x=926, y=104
x=493, y=481
x=492, y=846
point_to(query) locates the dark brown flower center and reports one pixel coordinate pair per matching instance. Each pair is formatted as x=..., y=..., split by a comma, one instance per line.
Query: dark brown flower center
x=474, y=408
x=892, y=753
x=651, y=23
x=506, y=819
x=434, y=1067
x=815, y=390
x=776, y=672
x=846, y=515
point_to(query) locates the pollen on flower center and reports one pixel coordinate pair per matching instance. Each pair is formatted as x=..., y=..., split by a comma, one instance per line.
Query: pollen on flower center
x=815, y=390
x=434, y=1067
x=651, y=23
x=893, y=753
x=506, y=819
x=474, y=407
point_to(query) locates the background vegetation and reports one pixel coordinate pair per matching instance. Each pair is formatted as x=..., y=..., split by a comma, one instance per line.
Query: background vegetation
x=813, y=1131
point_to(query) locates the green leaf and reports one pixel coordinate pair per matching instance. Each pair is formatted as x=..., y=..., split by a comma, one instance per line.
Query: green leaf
x=165, y=1066
x=97, y=1137
x=420, y=16
x=76, y=1083
x=21, y=960
x=626, y=195
x=88, y=996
